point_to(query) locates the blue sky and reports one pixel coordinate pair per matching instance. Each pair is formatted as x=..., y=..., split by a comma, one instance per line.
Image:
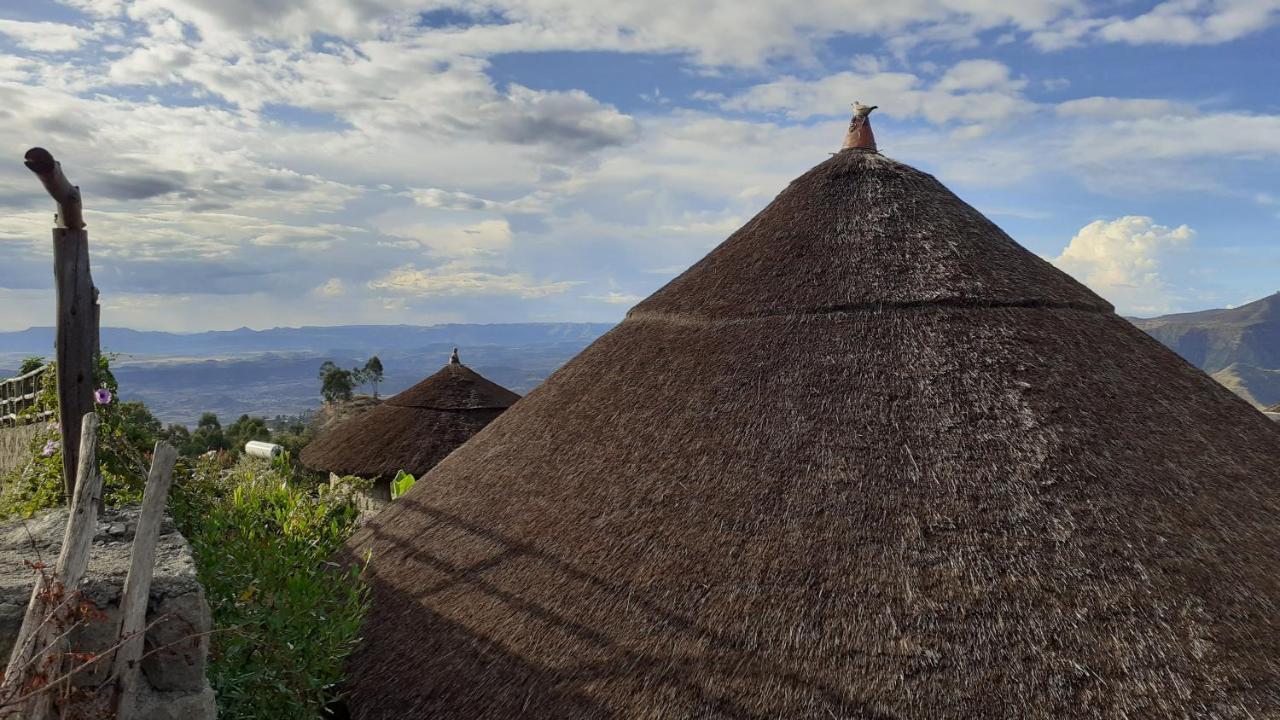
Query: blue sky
x=278, y=162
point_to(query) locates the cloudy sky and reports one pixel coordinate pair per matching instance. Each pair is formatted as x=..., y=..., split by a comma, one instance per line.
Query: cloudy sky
x=290, y=162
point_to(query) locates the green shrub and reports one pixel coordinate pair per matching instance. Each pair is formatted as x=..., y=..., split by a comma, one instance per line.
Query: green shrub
x=285, y=617
x=127, y=433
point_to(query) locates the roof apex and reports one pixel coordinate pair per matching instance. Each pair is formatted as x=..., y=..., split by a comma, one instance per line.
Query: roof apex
x=863, y=231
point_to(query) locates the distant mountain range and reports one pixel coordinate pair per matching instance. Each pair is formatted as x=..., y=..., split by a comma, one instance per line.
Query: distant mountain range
x=274, y=372
x=353, y=338
x=1239, y=347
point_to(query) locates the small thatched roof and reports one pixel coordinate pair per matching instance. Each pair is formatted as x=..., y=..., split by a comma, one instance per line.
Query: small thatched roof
x=414, y=430
x=869, y=458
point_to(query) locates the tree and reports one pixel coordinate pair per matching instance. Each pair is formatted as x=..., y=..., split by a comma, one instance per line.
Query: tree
x=373, y=373
x=31, y=364
x=335, y=383
x=208, y=435
x=245, y=429
x=137, y=425
x=178, y=436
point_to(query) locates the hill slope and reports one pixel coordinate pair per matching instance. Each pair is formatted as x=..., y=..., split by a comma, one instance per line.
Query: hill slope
x=1215, y=339
x=1259, y=387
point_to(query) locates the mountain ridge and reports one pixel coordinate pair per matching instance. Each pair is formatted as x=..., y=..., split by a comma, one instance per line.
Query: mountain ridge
x=1213, y=340
x=311, y=338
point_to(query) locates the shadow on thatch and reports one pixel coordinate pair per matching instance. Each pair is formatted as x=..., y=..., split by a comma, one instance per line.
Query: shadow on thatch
x=496, y=683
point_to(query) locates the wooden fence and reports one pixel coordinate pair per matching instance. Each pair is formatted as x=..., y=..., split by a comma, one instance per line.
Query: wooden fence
x=20, y=393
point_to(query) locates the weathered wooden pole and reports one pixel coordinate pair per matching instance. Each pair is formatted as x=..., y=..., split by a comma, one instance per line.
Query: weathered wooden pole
x=77, y=325
x=137, y=584
x=42, y=634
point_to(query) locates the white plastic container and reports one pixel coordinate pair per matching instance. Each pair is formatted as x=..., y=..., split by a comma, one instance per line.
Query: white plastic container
x=265, y=450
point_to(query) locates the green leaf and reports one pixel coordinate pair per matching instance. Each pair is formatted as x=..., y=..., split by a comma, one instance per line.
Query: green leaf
x=401, y=484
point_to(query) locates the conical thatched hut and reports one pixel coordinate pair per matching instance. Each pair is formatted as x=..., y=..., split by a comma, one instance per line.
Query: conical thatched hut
x=411, y=431
x=869, y=458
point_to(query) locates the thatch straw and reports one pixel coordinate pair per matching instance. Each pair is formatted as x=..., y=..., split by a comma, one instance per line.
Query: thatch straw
x=413, y=430
x=868, y=459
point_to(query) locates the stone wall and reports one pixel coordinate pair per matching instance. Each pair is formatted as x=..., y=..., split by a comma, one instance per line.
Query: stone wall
x=175, y=686
x=15, y=445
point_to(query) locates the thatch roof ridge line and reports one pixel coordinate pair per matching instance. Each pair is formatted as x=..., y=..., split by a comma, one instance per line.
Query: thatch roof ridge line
x=437, y=408
x=960, y=303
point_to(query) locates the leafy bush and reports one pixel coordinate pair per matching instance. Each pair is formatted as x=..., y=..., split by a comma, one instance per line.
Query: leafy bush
x=285, y=616
x=127, y=434
x=244, y=429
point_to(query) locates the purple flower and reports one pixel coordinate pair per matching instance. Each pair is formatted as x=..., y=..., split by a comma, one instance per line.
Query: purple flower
x=50, y=448
x=55, y=426
x=102, y=396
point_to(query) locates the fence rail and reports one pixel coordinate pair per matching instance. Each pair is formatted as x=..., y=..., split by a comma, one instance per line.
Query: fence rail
x=20, y=393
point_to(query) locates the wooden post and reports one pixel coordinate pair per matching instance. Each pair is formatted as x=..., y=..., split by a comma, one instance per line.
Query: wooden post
x=137, y=584
x=78, y=312
x=39, y=635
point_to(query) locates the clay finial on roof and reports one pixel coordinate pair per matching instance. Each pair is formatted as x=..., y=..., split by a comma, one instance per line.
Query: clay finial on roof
x=453, y=359
x=860, y=135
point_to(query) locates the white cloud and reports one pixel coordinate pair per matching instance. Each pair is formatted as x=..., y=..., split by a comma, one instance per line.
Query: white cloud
x=441, y=199
x=1166, y=154
x=97, y=8
x=271, y=157
x=979, y=75
x=386, y=86
x=1151, y=139
x=971, y=91
x=1122, y=260
x=615, y=298
x=484, y=239
x=49, y=37
x=714, y=32
x=1123, y=108
x=333, y=287
x=1065, y=33
x=1174, y=22
x=1194, y=22
x=455, y=281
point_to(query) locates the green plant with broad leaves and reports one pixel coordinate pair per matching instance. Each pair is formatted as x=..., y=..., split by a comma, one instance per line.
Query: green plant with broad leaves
x=401, y=484
x=285, y=614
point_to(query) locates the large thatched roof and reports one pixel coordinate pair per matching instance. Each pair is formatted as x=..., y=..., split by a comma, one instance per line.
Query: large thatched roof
x=869, y=458
x=413, y=430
